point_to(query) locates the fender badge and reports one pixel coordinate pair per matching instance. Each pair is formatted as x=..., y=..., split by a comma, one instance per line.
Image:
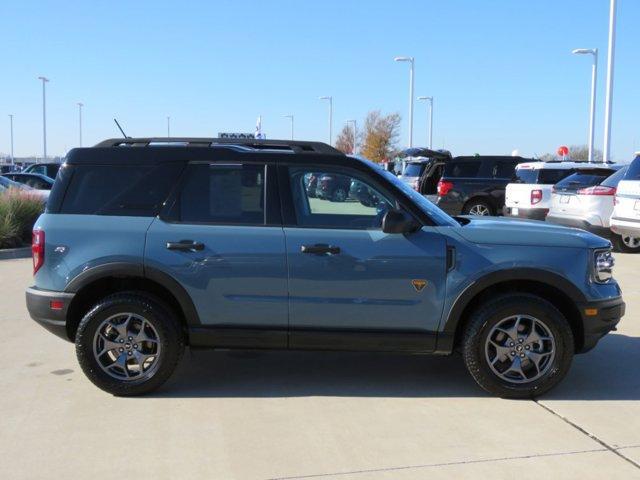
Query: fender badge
x=419, y=284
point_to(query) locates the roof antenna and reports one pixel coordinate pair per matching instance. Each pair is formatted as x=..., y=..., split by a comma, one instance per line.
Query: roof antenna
x=120, y=128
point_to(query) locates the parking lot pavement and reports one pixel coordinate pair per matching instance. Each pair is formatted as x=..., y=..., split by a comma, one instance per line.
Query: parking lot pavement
x=263, y=415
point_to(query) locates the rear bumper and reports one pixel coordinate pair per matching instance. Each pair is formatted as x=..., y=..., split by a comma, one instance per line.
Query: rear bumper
x=599, y=230
x=625, y=226
x=39, y=307
x=609, y=313
x=529, y=213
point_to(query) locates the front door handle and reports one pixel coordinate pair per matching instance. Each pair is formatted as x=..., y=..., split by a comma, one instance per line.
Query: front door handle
x=185, y=246
x=320, y=249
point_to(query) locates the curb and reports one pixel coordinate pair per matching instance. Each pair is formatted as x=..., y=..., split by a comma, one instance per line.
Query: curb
x=10, y=253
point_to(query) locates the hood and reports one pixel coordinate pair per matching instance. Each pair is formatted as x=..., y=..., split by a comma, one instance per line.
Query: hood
x=506, y=231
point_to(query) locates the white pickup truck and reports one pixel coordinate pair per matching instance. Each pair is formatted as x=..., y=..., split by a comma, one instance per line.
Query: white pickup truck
x=529, y=195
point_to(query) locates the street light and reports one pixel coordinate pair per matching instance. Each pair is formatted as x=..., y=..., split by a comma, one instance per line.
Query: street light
x=168, y=127
x=594, y=76
x=430, y=136
x=355, y=135
x=291, y=118
x=412, y=62
x=80, y=105
x=609, y=92
x=330, y=117
x=44, y=117
x=11, y=130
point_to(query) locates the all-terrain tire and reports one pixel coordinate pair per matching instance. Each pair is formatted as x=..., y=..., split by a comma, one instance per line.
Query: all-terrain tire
x=154, y=311
x=494, y=311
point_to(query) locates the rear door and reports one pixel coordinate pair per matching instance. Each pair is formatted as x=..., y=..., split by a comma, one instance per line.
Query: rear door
x=351, y=285
x=220, y=241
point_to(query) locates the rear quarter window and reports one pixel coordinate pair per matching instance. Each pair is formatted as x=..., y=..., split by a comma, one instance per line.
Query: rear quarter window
x=503, y=169
x=124, y=190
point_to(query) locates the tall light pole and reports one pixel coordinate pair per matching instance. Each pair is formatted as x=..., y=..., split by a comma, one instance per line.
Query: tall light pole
x=44, y=117
x=430, y=135
x=330, y=117
x=290, y=117
x=11, y=130
x=80, y=105
x=412, y=63
x=168, y=127
x=355, y=135
x=594, y=76
x=609, y=93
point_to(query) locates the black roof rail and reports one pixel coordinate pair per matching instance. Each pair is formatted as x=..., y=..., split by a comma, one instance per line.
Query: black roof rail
x=256, y=144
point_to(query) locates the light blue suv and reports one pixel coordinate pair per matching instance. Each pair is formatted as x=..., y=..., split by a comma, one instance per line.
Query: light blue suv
x=148, y=245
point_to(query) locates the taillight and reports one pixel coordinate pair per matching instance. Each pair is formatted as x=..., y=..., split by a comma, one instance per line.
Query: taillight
x=597, y=190
x=444, y=187
x=536, y=196
x=37, y=249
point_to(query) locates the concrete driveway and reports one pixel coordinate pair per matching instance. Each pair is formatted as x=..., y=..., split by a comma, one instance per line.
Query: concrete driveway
x=246, y=415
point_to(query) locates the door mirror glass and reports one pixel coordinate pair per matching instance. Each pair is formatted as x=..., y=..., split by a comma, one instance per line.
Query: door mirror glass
x=397, y=221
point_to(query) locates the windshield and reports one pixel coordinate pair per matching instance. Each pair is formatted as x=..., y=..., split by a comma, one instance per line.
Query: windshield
x=437, y=215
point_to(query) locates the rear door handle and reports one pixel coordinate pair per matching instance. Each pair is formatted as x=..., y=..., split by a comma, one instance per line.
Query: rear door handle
x=185, y=246
x=320, y=249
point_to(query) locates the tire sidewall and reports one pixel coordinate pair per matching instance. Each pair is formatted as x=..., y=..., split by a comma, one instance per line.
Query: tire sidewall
x=156, y=314
x=554, y=322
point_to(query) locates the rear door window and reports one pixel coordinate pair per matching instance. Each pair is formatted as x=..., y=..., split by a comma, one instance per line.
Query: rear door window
x=467, y=169
x=503, y=169
x=550, y=176
x=223, y=194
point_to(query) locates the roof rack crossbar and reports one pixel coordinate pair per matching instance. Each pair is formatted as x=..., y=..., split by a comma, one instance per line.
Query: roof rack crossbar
x=257, y=144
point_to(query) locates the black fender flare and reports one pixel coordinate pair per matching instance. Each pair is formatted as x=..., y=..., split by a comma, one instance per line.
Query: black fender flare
x=126, y=269
x=446, y=336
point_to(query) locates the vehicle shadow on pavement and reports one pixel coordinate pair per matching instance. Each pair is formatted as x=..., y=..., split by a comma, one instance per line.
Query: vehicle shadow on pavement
x=606, y=373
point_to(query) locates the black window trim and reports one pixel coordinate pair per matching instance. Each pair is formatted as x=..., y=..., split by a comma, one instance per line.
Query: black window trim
x=378, y=181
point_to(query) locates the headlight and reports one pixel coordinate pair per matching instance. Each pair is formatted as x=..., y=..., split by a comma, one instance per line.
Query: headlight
x=603, y=265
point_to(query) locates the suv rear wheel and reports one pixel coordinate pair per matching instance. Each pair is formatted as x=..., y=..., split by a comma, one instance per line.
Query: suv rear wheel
x=478, y=207
x=129, y=343
x=517, y=346
x=626, y=243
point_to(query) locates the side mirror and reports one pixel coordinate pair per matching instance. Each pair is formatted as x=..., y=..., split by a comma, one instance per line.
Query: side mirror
x=397, y=221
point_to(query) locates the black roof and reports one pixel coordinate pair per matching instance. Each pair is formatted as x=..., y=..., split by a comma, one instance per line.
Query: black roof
x=292, y=146
x=516, y=158
x=137, y=151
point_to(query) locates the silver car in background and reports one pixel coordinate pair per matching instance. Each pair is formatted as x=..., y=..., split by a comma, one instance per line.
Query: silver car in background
x=586, y=199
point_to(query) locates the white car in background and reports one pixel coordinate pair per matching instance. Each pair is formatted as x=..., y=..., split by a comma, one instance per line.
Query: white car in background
x=529, y=195
x=625, y=219
x=585, y=200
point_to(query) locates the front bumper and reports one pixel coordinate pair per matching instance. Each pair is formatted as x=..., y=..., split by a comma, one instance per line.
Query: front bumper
x=529, y=213
x=598, y=319
x=39, y=305
x=604, y=232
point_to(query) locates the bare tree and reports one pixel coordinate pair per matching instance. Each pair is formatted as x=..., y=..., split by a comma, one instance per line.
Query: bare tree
x=381, y=136
x=577, y=153
x=344, y=142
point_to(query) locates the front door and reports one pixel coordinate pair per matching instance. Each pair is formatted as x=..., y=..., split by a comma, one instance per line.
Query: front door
x=351, y=285
x=219, y=244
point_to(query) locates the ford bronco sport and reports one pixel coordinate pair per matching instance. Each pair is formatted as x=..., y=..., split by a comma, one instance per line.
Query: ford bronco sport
x=148, y=245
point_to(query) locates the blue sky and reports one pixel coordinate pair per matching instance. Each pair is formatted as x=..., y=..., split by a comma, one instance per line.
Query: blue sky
x=501, y=71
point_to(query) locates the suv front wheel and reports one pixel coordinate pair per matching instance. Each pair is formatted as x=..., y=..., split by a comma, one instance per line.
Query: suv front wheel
x=517, y=346
x=129, y=343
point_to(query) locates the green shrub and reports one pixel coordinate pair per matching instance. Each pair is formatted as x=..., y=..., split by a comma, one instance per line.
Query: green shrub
x=18, y=212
